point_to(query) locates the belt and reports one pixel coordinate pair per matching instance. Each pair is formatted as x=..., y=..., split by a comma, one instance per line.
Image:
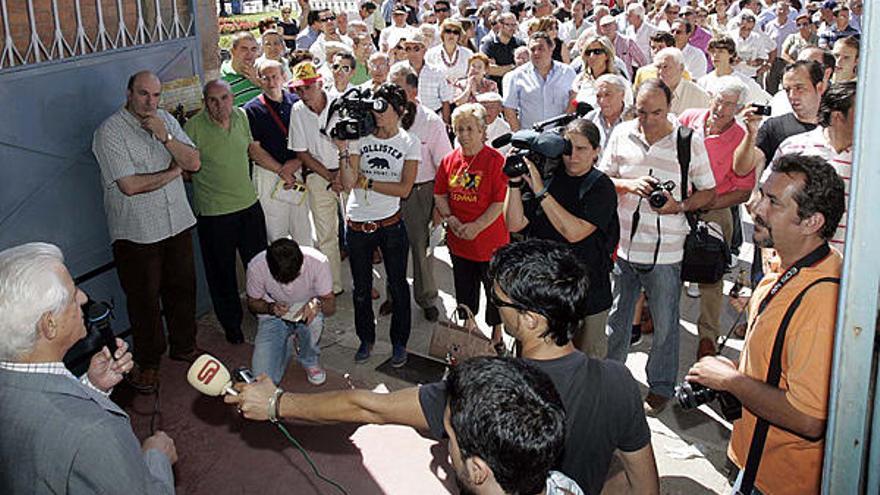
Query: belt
x=373, y=225
x=421, y=184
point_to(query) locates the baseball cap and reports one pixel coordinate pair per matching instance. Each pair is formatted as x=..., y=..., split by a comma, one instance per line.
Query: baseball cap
x=304, y=74
x=829, y=4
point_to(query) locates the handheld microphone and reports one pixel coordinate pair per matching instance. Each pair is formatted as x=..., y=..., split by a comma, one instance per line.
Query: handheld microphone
x=208, y=375
x=98, y=316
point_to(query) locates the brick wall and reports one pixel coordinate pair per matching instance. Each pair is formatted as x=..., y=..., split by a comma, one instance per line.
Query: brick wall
x=44, y=20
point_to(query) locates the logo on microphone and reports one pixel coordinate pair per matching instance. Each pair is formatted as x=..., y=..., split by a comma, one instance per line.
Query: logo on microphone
x=208, y=372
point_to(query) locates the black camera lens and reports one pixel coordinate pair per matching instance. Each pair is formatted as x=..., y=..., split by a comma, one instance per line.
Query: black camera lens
x=657, y=199
x=692, y=395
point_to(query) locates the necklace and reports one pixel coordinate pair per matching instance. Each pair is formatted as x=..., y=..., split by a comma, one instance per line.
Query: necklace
x=449, y=63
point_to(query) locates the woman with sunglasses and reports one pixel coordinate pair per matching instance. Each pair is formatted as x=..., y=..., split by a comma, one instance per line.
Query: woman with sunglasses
x=598, y=60
x=449, y=55
x=379, y=170
x=469, y=193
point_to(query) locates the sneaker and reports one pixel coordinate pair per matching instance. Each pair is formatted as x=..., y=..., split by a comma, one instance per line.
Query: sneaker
x=144, y=380
x=654, y=404
x=398, y=357
x=316, y=375
x=432, y=314
x=386, y=308
x=363, y=352
x=636, y=337
x=693, y=290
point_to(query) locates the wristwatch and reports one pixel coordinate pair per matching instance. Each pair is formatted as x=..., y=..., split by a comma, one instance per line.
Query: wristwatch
x=168, y=138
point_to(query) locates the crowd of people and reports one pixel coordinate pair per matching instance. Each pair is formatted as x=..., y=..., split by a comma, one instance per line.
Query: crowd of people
x=757, y=97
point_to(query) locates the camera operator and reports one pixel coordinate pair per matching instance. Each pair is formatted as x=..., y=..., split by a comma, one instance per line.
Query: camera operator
x=380, y=169
x=640, y=156
x=543, y=298
x=576, y=205
x=800, y=206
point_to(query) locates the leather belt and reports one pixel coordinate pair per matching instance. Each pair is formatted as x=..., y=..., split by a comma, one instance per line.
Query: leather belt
x=373, y=225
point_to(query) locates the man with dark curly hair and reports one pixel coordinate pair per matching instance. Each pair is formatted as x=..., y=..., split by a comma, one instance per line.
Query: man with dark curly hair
x=800, y=206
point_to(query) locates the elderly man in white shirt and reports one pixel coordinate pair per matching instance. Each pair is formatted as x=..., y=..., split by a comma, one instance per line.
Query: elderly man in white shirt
x=638, y=27
x=685, y=94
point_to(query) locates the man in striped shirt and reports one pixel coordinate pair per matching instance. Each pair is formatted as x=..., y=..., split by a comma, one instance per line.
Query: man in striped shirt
x=240, y=72
x=832, y=140
x=638, y=155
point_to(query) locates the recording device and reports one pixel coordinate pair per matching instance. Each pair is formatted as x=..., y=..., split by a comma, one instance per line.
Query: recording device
x=543, y=145
x=208, y=375
x=761, y=109
x=691, y=395
x=657, y=199
x=97, y=316
x=243, y=374
x=355, y=114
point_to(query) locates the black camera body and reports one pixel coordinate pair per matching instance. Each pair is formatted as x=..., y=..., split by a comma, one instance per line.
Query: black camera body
x=355, y=108
x=544, y=149
x=763, y=110
x=691, y=395
x=657, y=199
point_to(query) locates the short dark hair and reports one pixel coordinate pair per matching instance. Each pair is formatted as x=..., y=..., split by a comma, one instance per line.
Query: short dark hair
x=300, y=56
x=547, y=278
x=813, y=68
x=314, y=16
x=507, y=412
x=586, y=129
x=664, y=37
x=542, y=35
x=285, y=260
x=723, y=43
x=823, y=190
x=347, y=57
x=839, y=97
x=656, y=84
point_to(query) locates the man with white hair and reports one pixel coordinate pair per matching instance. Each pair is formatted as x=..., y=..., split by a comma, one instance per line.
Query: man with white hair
x=685, y=94
x=734, y=175
x=612, y=92
x=638, y=28
x=625, y=48
x=496, y=126
x=65, y=434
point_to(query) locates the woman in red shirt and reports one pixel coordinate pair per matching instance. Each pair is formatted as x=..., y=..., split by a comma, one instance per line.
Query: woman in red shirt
x=469, y=192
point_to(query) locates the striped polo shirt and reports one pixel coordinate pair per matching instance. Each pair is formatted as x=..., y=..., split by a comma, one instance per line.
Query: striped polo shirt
x=628, y=155
x=243, y=90
x=813, y=143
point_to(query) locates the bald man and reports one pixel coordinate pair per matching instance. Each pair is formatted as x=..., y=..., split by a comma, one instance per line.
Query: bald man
x=142, y=152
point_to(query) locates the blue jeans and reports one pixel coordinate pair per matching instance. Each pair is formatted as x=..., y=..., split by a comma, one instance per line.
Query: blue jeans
x=663, y=289
x=393, y=243
x=273, y=346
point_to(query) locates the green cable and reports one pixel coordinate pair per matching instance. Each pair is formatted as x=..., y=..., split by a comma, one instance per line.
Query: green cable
x=309, y=459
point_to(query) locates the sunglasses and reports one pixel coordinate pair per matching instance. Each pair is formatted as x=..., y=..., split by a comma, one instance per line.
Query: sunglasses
x=594, y=51
x=414, y=48
x=343, y=68
x=441, y=10
x=499, y=303
x=450, y=31
x=327, y=19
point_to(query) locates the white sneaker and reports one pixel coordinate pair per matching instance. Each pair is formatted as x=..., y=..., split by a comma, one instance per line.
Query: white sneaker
x=693, y=289
x=316, y=375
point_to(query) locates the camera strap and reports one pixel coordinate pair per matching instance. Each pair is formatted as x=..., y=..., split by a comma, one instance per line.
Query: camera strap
x=272, y=113
x=774, y=371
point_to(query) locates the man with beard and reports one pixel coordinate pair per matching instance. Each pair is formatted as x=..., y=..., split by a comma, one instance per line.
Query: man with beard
x=800, y=206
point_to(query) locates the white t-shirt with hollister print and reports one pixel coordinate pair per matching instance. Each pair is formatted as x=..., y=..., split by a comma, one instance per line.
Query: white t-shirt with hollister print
x=381, y=160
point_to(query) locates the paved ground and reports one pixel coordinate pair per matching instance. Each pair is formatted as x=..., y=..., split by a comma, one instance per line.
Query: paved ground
x=690, y=446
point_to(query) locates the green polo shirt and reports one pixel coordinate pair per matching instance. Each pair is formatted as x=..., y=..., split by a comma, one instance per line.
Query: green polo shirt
x=361, y=74
x=243, y=90
x=223, y=184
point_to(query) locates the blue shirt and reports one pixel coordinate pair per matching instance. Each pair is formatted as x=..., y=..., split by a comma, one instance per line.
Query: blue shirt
x=537, y=98
x=306, y=38
x=266, y=130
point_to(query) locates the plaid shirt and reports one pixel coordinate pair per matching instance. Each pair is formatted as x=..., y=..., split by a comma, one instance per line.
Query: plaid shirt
x=56, y=368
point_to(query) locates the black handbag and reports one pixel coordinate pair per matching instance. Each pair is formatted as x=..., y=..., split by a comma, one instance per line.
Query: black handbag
x=706, y=255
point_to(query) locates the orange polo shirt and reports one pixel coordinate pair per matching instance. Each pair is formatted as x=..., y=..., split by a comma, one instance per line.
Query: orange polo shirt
x=791, y=464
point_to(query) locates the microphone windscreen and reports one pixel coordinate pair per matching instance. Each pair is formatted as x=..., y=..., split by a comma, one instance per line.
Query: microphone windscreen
x=502, y=140
x=208, y=375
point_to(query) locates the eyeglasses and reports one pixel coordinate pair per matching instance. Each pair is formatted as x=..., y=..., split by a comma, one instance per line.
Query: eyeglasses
x=327, y=19
x=594, y=51
x=441, y=10
x=803, y=24
x=450, y=31
x=343, y=68
x=417, y=48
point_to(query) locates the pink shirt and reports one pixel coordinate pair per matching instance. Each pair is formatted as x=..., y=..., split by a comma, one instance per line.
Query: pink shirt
x=314, y=280
x=720, y=149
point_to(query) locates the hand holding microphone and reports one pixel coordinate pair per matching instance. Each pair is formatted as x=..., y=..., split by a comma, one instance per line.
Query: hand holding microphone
x=210, y=377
